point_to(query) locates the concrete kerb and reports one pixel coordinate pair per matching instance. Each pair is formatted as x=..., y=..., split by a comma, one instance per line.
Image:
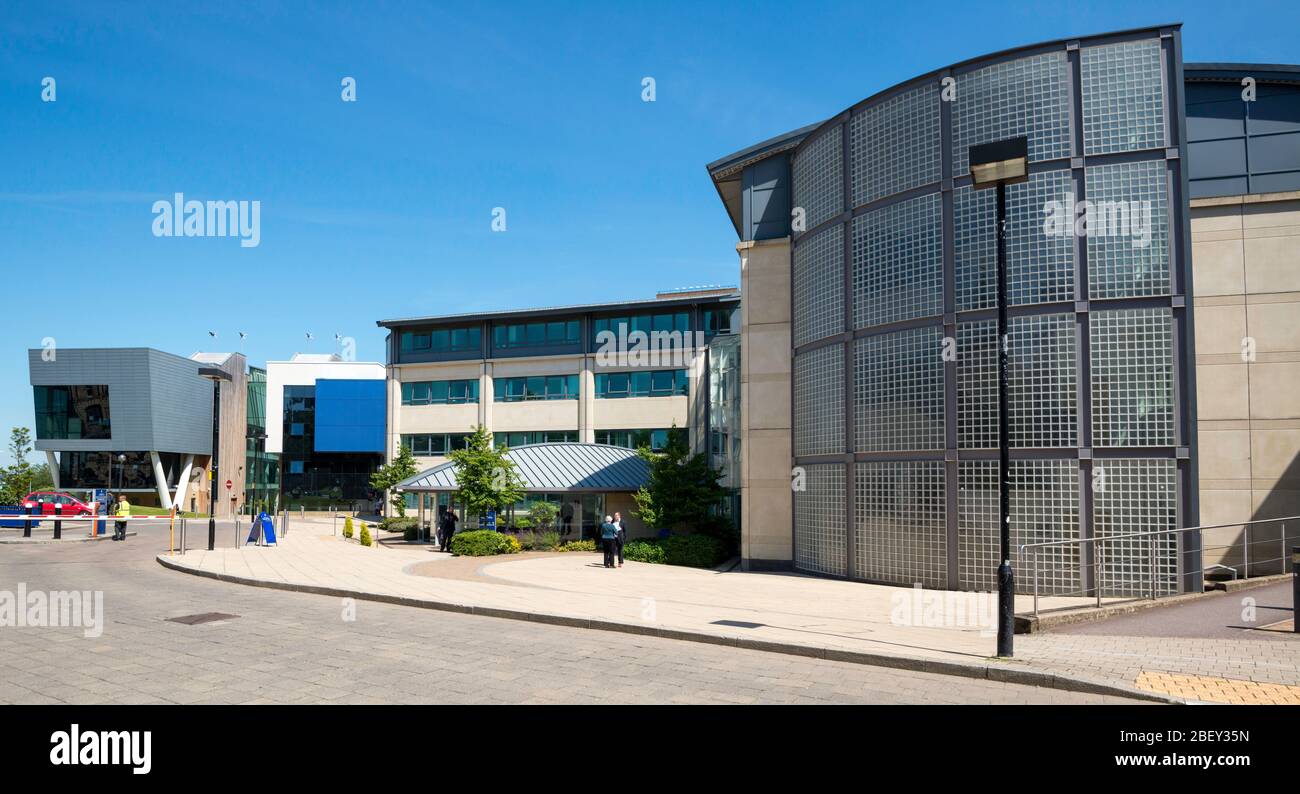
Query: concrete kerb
x=992, y=671
x=20, y=541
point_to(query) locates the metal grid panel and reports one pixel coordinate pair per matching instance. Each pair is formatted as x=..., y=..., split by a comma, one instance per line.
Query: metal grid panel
x=818, y=278
x=1044, y=508
x=895, y=145
x=898, y=262
x=819, y=401
x=1128, y=229
x=977, y=385
x=817, y=176
x=1026, y=96
x=1123, y=97
x=901, y=533
x=1040, y=266
x=1136, y=495
x=1042, y=383
x=1132, y=378
x=820, y=538
x=898, y=391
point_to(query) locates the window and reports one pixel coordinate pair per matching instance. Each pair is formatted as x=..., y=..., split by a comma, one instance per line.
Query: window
x=536, y=387
x=718, y=321
x=656, y=439
x=539, y=334
x=675, y=322
x=295, y=467
x=659, y=383
x=431, y=444
x=72, y=412
x=440, y=392
x=295, y=428
x=443, y=340
x=522, y=438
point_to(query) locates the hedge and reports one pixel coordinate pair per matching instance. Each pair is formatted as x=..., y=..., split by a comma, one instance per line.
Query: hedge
x=696, y=551
x=483, y=543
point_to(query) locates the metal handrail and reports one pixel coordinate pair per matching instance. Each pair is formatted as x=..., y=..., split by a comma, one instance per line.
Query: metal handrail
x=1032, y=548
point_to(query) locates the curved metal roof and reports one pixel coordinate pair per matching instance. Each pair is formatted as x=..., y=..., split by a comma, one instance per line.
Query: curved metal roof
x=554, y=467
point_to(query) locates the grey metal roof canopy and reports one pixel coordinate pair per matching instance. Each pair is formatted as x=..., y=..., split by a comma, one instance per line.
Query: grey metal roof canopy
x=568, y=467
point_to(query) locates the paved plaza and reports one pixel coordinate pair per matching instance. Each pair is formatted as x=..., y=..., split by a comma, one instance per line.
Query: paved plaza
x=285, y=647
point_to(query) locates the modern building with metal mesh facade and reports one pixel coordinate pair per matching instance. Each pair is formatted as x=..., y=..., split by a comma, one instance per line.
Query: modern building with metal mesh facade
x=894, y=382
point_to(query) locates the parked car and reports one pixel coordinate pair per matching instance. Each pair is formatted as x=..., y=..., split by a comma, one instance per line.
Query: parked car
x=43, y=502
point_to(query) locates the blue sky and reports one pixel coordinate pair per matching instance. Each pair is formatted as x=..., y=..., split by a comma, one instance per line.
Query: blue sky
x=382, y=207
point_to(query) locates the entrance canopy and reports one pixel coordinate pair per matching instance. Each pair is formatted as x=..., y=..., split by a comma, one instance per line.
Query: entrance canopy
x=566, y=467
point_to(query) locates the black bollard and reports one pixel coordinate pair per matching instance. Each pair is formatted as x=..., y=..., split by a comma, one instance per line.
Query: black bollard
x=27, y=522
x=58, y=525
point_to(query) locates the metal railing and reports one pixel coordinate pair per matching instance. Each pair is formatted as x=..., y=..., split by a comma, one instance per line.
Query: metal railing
x=1094, y=548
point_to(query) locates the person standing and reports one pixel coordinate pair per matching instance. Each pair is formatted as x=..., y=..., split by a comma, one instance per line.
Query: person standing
x=608, y=538
x=438, y=523
x=566, y=519
x=621, y=538
x=123, y=511
x=451, y=529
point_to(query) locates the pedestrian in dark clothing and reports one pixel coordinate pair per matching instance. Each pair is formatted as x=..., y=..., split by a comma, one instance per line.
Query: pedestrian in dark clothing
x=566, y=519
x=621, y=538
x=438, y=522
x=450, y=529
x=608, y=538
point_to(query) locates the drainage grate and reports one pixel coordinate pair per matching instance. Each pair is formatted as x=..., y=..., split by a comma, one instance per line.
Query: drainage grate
x=740, y=624
x=202, y=617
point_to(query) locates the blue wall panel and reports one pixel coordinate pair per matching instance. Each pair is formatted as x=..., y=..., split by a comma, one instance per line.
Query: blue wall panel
x=350, y=415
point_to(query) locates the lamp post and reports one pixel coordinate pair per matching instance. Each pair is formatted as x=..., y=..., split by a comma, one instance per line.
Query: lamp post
x=997, y=165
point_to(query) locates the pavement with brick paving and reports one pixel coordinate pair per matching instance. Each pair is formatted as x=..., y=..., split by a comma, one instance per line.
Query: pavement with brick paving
x=286, y=647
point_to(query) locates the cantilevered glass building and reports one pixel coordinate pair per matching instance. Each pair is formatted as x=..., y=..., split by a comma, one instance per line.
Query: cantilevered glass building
x=870, y=257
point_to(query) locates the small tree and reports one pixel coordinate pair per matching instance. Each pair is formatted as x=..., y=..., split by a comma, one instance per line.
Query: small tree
x=485, y=477
x=347, y=527
x=364, y=537
x=543, y=515
x=21, y=478
x=682, y=492
x=402, y=467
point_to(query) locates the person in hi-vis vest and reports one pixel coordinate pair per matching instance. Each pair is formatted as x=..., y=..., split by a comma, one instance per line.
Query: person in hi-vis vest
x=123, y=511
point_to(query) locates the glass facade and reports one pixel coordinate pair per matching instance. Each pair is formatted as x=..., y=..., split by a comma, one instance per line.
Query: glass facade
x=318, y=480
x=72, y=412
x=89, y=470
x=261, y=468
x=893, y=281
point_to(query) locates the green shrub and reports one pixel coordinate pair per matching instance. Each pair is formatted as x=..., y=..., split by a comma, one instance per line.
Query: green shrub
x=547, y=541
x=523, y=522
x=644, y=551
x=347, y=527
x=397, y=524
x=483, y=543
x=577, y=545
x=364, y=537
x=695, y=551
x=411, y=533
x=542, y=514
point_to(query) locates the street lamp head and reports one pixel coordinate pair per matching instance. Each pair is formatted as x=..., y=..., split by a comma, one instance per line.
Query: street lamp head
x=1000, y=162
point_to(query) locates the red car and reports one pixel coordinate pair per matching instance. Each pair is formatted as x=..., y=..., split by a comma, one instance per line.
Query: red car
x=43, y=502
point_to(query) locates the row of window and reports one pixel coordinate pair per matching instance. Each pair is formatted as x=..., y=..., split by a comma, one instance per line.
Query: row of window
x=657, y=440
x=537, y=387
x=523, y=437
x=429, y=444
x=659, y=383
x=446, y=340
x=440, y=392
x=72, y=412
x=561, y=332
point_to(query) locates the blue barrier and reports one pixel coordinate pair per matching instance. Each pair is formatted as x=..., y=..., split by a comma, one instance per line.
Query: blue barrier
x=11, y=510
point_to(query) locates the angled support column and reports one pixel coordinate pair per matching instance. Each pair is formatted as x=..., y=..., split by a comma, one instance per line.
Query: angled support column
x=160, y=480
x=53, y=463
x=184, y=482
